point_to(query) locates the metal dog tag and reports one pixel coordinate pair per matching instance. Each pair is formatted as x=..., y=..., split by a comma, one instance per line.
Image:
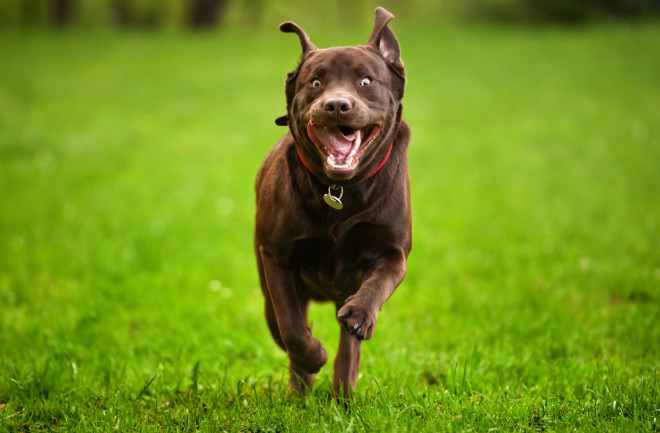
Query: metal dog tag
x=334, y=201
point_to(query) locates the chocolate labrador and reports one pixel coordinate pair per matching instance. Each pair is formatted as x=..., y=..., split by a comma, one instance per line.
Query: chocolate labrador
x=333, y=200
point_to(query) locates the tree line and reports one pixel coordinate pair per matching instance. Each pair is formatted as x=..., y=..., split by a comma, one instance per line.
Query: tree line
x=206, y=14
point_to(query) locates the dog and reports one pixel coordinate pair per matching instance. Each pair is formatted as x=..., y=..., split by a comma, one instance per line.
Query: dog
x=333, y=220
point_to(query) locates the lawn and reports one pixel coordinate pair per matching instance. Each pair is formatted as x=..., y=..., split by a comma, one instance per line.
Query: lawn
x=129, y=297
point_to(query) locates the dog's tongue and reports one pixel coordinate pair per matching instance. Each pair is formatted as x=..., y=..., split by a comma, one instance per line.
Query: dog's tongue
x=341, y=148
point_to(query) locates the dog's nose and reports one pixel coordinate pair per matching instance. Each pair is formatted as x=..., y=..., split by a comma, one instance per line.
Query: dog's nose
x=337, y=105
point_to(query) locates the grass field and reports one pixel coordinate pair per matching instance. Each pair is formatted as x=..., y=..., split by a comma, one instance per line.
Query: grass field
x=129, y=297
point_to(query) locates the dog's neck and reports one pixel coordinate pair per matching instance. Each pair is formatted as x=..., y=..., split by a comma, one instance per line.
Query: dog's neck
x=331, y=199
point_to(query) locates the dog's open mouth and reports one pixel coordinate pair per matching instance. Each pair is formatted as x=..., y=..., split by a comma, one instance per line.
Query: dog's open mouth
x=341, y=145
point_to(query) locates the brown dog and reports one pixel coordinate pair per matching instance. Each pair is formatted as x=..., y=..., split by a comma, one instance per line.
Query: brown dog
x=333, y=200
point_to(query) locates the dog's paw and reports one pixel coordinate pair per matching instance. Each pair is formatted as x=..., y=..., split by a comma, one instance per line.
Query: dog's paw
x=358, y=319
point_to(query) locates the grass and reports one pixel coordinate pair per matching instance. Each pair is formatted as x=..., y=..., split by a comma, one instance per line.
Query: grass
x=128, y=288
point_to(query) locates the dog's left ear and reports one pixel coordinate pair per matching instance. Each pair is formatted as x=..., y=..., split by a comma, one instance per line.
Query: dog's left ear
x=383, y=40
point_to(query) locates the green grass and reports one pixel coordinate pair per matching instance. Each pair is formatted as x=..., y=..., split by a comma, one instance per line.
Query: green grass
x=129, y=298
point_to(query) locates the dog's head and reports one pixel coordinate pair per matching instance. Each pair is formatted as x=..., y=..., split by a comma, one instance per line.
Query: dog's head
x=344, y=103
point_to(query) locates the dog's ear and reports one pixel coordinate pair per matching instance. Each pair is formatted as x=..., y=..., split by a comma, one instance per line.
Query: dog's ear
x=307, y=46
x=282, y=120
x=291, y=27
x=383, y=40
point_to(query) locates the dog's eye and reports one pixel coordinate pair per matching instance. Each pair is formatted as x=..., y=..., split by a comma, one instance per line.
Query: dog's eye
x=365, y=81
x=315, y=82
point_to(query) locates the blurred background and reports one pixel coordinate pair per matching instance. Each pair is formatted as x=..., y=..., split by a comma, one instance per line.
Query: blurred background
x=130, y=135
x=204, y=14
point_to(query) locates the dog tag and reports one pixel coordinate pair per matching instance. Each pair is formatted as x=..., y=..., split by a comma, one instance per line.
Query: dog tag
x=334, y=201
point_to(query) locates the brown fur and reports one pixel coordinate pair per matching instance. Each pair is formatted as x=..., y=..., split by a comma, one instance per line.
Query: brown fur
x=306, y=251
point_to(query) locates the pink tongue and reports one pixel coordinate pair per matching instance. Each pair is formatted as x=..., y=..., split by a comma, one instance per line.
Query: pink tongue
x=333, y=140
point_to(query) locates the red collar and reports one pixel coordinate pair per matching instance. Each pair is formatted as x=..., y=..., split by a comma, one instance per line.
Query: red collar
x=382, y=163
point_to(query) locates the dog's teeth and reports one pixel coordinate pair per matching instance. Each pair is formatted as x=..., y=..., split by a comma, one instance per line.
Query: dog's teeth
x=357, y=143
x=332, y=161
x=355, y=148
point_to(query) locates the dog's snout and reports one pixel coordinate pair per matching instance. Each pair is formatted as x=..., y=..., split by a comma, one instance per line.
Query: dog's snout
x=337, y=105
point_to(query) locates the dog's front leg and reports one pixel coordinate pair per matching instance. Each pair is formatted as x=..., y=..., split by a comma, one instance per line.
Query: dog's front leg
x=306, y=354
x=347, y=365
x=360, y=312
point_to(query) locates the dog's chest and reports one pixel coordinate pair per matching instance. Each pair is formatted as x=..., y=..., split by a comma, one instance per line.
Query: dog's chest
x=332, y=267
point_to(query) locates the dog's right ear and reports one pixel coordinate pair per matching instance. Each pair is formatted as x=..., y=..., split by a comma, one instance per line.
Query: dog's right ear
x=291, y=27
x=307, y=46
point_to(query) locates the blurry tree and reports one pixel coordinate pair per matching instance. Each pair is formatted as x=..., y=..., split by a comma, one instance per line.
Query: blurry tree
x=338, y=14
x=246, y=13
x=205, y=13
x=138, y=13
x=562, y=11
x=254, y=11
x=62, y=12
x=579, y=10
x=22, y=14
